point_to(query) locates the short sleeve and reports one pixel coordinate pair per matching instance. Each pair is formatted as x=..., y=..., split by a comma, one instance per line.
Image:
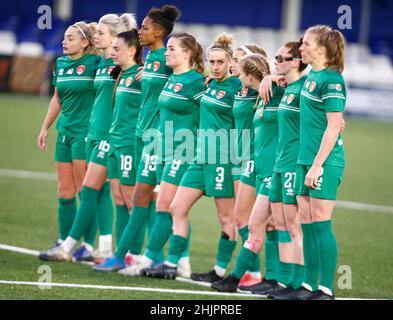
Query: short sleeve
x=334, y=95
x=198, y=90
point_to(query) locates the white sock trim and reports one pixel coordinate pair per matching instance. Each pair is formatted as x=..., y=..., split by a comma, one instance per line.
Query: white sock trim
x=170, y=264
x=254, y=274
x=307, y=286
x=145, y=261
x=68, y=244
x=281, y=285
x=184, y=259
x=326, y=290
x=105, y=243
x=219, y=270
x=88, y=246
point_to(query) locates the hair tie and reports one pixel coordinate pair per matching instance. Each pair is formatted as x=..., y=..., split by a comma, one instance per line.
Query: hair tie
x=246, y=50
x=80, y=29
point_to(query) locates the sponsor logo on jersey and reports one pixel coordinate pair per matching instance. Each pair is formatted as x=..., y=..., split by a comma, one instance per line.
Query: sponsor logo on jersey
x=98, y=72
x=61, y=71
x=156, y=65
x=214, y=92
x=335, y=86
x=312, y=86
x=178, y=87
x=110, y=69
x=103, y=70
x=71, y=71
x=244, y=92
x=290, y=98
x=121, y=81
x=307, y=84
x=220, y=94
x=128, y=81
x=170, y=86
x=80, y=69
x=148, y=66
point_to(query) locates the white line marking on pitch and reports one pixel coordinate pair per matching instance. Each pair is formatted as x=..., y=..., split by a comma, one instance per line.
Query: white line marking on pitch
x=46, y=176
x=22, y=174
x=160, y=290
x=19, y=249
x=363, y=206
x=124, y=288
x=143, y=289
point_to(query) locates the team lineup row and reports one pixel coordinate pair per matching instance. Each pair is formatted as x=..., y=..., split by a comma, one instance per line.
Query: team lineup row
x=278, y=192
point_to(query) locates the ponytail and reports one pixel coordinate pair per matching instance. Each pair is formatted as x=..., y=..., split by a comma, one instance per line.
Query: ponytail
x=86, y=30
x=334, y=42
x=188, y=42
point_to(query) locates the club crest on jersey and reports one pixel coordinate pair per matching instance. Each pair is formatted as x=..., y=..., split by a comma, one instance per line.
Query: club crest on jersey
x=312, y=86
x=220, y=94
x=156, y=65
x=110, y=69
x=339, y=87
x=128, y=81
x=244, y=92
x=290, y=98
x=178, y=87
x=80, y=69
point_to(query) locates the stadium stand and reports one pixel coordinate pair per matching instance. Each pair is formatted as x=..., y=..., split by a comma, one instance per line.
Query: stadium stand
x=367, y=64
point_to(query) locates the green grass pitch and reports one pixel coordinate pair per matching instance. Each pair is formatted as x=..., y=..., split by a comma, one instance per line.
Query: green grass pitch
x=28, y=216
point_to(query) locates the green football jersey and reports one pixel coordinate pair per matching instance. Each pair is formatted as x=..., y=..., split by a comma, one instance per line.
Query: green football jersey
x=178, y=105
x=243, y=114
x=74, y=80
x=324, y=91
x=289, y=127
x=154, y=77
x=125, y=113
x=101, y=114
x=216, y=121
x=266, y=133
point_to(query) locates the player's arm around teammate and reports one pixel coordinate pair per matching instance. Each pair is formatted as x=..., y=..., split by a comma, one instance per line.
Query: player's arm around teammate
x=211, y=172
x=253, y=69
x=281, y=195
x=157, y=24
x=179, y=113
x=321, y=157
x=245, y=195
x=74, y=95
x=93, y=196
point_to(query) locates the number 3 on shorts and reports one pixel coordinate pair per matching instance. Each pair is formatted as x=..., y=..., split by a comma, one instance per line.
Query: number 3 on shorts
x=220, y=174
